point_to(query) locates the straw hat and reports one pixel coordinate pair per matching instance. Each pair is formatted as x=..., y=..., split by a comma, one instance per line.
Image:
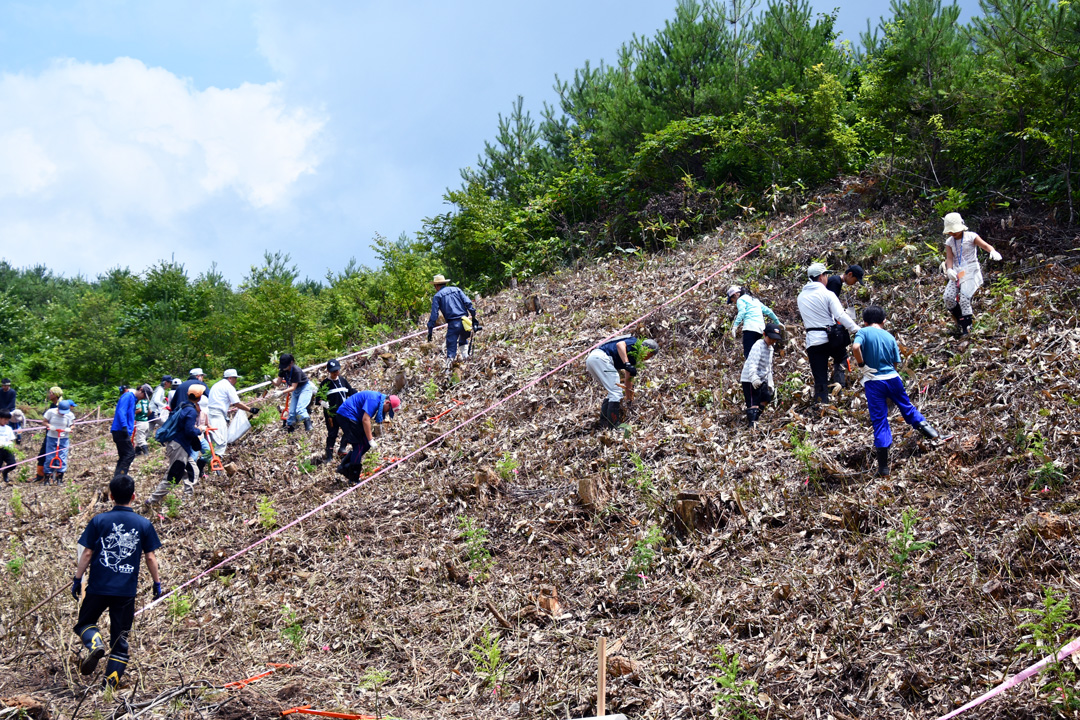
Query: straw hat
x=439, y=280
x=954, y=223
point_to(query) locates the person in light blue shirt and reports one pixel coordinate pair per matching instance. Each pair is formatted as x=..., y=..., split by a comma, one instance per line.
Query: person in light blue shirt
x=454, y=305
x=751, y=315
x=878, y=356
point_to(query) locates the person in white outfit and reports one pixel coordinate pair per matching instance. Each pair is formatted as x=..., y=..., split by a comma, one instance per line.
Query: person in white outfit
x=962, y=268
x=820, y=310
x=223, y=398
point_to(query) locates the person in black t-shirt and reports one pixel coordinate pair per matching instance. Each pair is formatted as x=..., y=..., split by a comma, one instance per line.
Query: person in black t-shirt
x=333, y=391
x=299, y=390
x=112, y=544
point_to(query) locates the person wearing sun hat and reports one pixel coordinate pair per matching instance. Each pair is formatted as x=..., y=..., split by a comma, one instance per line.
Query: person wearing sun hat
x=56, y=394
x=962, y=268
x=821, y=309
x=454, y=306
x=751, y=315
x=57, y=439
x=355, y=416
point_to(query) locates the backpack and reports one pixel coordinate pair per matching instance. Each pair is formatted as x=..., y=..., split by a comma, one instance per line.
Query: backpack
x=168, y=431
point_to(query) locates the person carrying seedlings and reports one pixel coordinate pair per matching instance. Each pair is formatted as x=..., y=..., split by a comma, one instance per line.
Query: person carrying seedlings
x=57, y=439
x=7, y=402
x=878, y=356
x=223, y=399
x=299, y=389
x=757, y=375
x=123, y=426
x=613, y=361
x=54, y=397
x=112, y=544
x=334, y=391
x=962, y=269
x=827, y=331
x=182, y=444
x=355, y=416
x=142, y=422
x=7, y=442
x=454, y=306
x=751, y=315
x=159, y=404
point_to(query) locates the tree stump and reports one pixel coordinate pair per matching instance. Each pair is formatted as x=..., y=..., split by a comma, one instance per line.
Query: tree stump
x=695, y=511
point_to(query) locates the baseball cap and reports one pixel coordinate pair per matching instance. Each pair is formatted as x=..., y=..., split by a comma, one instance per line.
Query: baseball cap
x=65, y=406
x=333, y=366
x=196, y=372
x=196, y=390
x=5, y=381
x=815, y=270
x=166, y=378
x=229, y=373
x=773, y=330
x=147, y=391
x=395, y=403
x=285, y=361
x=857, y=271
x=651, y=344
x=731, y=291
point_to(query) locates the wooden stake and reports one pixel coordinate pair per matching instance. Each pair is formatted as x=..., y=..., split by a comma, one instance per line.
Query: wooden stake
x=601, y=685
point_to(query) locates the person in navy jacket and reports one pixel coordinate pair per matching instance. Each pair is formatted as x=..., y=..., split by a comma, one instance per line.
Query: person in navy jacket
x=355, y=417
x=454, y=306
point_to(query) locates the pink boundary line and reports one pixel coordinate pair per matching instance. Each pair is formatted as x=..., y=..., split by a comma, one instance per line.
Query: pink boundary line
x=36, y=457
x=1015, y=680
x=477, y=416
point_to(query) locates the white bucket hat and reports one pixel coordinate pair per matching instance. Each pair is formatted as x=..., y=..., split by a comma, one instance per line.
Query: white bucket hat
x=954, y=223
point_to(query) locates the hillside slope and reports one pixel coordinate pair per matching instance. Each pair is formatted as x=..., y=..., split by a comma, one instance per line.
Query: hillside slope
x=789, y=567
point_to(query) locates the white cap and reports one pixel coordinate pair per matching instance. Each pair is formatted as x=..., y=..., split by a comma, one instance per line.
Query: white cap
x=816, y=270
x=196, y=371
x=230, y=373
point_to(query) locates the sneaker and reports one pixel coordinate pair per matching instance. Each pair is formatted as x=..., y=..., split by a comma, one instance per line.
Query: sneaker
x=89, y=663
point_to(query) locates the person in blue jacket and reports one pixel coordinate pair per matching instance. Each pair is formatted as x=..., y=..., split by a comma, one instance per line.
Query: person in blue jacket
x=355, y=417
x=878, y=355
x=454, y=305
x=112, y=544
x=751, y=315
x=179, y=449
x=123, y=426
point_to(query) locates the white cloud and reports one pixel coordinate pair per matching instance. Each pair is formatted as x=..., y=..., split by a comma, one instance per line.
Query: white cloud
x=122, y=146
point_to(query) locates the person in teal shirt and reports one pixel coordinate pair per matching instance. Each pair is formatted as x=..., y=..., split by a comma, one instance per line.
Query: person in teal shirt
x=878, y=355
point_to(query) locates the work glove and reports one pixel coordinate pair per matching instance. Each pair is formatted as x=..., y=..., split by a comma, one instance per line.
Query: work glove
x=371, y=444
x=324, y=405
x=995, y=256
x=631, y=370
x=951, y=273
x=76, y=587
x=868, y=372
x=734, y=331
x=756, y=384
x=157, y=591
x=476, y=325
x=255, y=411
x=429, y=336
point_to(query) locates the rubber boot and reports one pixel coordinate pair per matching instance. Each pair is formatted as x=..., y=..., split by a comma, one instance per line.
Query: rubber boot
x=883, y=462
x=463, y=351
x=965, y=324
x=612, y=413
x=956, y=312
x=48, y=478
x=114, y=670
x=839, y=375
x=752, y=416
x=40, y=472
x=59, y=478
x=95, y=644
x=329, y=454
x=604, y=413
x=821, y=394
x=307, y=424
x=928, y=430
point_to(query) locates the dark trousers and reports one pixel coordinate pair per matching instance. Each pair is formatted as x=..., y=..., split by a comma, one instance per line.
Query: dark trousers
x=750, y=394
x=125, y=449
x=121, y=616
x=352, y=433
x=6, y=458
x=819, y=361
x=333, y=428
x=41, y=457
x=748, y=340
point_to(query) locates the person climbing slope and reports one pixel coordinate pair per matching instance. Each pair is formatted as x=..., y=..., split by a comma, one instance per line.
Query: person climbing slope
x=355, y=416
x=962, y=269
x=113, y=542
x=334, y=390
x=123, y=426
x=613, y=361
x=57, y=439
x=757, y=375
x=751, y=315
x=7, y=442
x=878, y=356
x=299, y=389
x=181, y=446
x=454, y=306
x=821, y=311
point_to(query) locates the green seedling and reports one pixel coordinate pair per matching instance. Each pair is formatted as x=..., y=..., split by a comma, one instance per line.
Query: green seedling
x=903, y=545
x=267, y=512
x=431, y=390
x=731, y=698
x=179, y=605
x=643, y=559
x=172, y=506
x=476, y=540
x=17, y=507
x=373, y=680
x=1048, y=632
x=293, y=632
x=506, y=466
x=487, y=659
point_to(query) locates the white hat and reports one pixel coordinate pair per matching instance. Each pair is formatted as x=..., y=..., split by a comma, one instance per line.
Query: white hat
x=731, y=291
x=196, y=371
x=815, y=270
x=954, y=223
x=230, y=373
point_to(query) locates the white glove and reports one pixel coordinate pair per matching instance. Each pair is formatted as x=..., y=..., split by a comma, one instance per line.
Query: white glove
x=734, y=331
x=756, y=384
x=371, y=443
x=995, y=256
x=324, y=405
x=868, y=372
x=951, y=273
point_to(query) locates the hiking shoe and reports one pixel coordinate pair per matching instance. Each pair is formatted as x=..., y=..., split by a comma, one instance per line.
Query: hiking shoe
x=89, y=663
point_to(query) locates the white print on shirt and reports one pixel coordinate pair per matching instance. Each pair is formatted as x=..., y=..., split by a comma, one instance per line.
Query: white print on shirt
x=119, y=545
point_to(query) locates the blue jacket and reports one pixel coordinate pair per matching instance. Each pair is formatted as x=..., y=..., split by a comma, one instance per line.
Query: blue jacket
x=454, y=305
x=187, y=435
x=124, y=416
x=365, y=401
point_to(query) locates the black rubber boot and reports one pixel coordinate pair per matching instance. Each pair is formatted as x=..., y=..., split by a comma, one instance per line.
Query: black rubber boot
x=307, y=424
x=329, y=454
x=114, y=670
x=821, y=394
x=613, y=413
x=752, y=416
x=956, y=312
x=59, y=478
x=883, y=462
x=927, y=430
x=965, y=324
x=839, y=375
x=95, y=644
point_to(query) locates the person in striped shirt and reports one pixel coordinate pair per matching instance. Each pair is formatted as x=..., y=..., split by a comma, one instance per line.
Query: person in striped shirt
x=757, y=375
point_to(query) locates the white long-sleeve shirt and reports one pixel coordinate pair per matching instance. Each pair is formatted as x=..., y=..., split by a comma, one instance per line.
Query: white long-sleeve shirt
x=820, y=309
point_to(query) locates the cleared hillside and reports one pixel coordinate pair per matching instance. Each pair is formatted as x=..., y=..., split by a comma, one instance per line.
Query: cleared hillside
x=789, y=567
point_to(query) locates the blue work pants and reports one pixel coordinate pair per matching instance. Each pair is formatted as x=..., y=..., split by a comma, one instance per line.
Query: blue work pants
x=878, y=393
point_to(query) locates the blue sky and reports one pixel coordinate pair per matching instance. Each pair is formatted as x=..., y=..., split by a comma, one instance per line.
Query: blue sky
x=134, y=131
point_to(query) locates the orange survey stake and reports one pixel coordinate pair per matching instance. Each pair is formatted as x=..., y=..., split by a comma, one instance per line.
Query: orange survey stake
x=306, y=710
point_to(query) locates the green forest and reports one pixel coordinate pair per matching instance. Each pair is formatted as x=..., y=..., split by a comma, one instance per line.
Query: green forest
x=733, y=108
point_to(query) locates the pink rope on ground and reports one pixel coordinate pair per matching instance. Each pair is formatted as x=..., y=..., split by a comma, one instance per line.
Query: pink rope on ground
x=474, y=418
x=71, y=445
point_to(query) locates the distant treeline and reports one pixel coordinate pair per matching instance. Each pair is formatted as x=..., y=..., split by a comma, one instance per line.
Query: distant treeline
x=730, y=108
